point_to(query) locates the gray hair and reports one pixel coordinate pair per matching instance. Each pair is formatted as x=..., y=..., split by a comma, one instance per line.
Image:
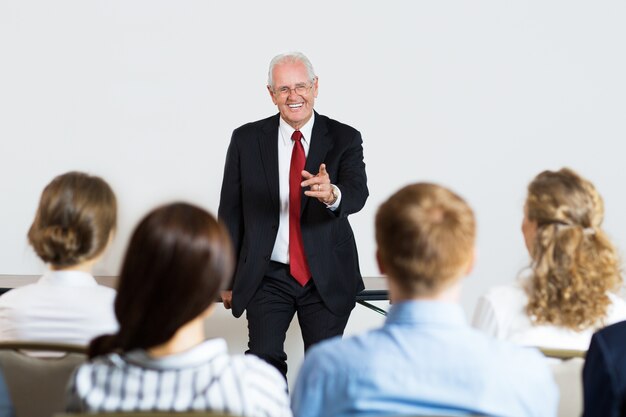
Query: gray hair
x=290, y=57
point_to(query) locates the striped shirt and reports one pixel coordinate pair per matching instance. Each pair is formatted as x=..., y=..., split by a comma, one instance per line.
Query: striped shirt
x=200, y=379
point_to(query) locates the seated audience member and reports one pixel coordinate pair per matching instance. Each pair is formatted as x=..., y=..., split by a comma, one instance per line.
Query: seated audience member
x=604, y=374
x=178, y=259
x=574, y=270
x=426, y=359
x=73, y=226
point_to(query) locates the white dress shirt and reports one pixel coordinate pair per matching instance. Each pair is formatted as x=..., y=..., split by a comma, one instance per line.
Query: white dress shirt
x=501, y=313
x=62, y=307
x=280, y=253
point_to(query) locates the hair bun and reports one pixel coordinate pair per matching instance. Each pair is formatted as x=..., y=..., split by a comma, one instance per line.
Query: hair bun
x=76, y=215
x=59, y=245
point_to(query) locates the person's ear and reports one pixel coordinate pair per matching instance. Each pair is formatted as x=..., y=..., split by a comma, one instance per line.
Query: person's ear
x=315, y=87
x=470, y=265
x=269, y=90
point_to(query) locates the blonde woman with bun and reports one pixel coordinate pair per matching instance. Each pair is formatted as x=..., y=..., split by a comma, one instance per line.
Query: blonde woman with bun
x=72, y=228
x=574, y=274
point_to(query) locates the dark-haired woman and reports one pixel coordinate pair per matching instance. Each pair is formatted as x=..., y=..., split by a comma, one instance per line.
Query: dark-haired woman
x=178, y=260
x=73, y=226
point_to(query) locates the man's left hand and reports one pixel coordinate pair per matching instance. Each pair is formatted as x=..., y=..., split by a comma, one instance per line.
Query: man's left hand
x=319, y=185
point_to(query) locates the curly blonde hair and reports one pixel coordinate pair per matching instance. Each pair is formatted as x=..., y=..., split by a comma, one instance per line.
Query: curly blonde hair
x=574, y=265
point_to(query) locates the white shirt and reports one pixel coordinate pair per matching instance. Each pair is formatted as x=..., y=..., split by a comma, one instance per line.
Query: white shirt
x=501, y=313
x=63, y=307
x=202, y=378
x=280, y=253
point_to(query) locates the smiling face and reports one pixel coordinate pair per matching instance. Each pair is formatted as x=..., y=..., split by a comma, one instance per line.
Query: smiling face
x=295, y=109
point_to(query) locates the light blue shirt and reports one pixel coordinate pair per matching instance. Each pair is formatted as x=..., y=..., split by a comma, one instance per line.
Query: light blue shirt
x=424, y=360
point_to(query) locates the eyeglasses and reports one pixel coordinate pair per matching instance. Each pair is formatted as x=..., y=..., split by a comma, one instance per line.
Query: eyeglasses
x=300, y=89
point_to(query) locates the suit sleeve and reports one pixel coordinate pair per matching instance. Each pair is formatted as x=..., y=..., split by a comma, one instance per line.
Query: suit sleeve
x=351, y=179
x=230, y=210
x=600, y=399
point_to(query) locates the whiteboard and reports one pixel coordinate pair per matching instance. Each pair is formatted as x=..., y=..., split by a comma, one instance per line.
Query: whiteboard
x=479, y=96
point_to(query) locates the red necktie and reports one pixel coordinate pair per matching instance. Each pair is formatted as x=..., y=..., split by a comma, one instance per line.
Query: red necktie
x=298, y=266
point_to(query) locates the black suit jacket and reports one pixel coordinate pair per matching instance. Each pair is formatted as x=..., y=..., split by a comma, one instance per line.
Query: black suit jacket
x=604, y=374
x=249, y=206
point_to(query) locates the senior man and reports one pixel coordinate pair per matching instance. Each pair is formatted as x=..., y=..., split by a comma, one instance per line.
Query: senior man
x=290, y=182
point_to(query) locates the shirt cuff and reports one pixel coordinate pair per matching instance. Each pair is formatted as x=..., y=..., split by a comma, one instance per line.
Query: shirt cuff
x=335, y=205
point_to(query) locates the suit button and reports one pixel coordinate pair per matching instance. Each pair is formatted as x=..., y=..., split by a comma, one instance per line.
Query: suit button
x=274, y=227
x=267, y=258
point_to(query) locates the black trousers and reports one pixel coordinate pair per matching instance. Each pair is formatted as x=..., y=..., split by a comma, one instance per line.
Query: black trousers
x=272, y=308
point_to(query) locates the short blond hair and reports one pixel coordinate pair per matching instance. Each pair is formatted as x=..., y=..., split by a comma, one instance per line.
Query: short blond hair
x=425, y=235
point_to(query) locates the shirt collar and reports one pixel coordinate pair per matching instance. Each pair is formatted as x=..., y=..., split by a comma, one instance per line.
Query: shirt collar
x=286, y=130
x=430, y=312
x=68, y=278
x=197, y=355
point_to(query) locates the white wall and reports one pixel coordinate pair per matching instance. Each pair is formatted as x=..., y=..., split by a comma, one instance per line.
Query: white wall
x=479, y=96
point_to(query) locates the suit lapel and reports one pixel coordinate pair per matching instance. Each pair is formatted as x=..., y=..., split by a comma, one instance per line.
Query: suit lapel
x=268, y=144
x=318, y=148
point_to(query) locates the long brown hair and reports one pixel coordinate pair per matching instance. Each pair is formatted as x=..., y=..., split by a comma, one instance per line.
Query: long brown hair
x=574, y=264
x=178, y=259
x=76, y=215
